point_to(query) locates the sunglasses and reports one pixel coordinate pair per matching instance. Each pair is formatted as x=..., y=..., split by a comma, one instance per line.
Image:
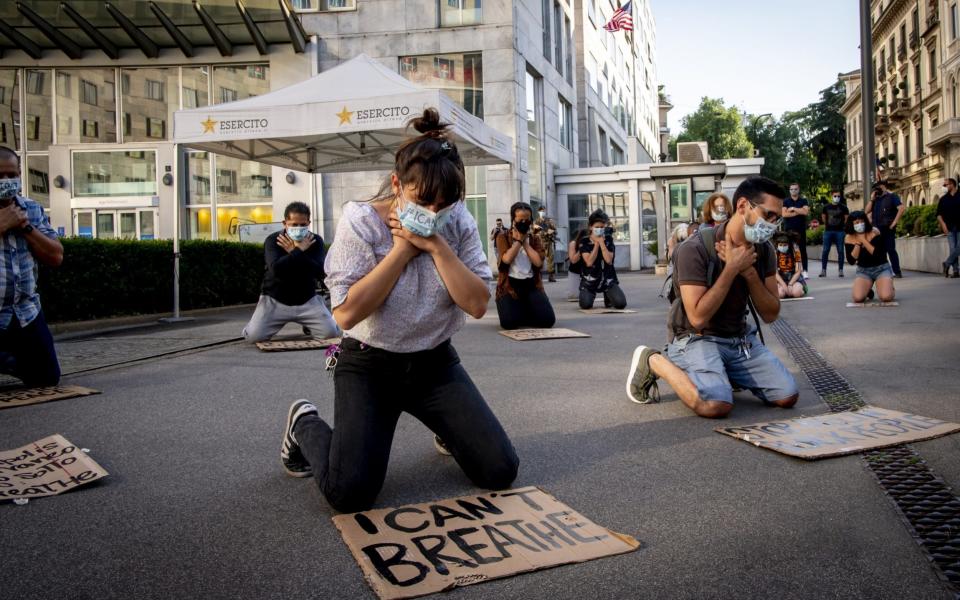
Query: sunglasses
x=768, y=215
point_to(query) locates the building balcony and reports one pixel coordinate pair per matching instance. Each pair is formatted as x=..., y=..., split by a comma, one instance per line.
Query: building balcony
x=900, y=109
x=945, y=134
x=914, y=40
x=933, y=19
x=891, y=64
x=882, y=124
x=901, y=52
x=892, y=174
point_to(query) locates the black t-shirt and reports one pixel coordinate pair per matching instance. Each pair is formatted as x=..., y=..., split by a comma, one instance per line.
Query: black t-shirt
x=691, y=269
x=601, y=275
x=798, y=222
x=949, y=209
x=866, y=260
x=291, y=278
x=836, y=216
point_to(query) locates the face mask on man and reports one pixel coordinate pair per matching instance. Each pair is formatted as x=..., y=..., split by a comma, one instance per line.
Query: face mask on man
x=420, y=220
x=297, y=232
x=9, y=187
x=719, y=216
x=944, y=190
x=759, y=232
x=835, y=199
x=859, y=227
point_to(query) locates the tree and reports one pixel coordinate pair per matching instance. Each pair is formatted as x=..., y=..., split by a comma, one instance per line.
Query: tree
x=718, y=125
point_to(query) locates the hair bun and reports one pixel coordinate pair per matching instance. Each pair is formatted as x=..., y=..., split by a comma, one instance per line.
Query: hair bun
x=429, y=123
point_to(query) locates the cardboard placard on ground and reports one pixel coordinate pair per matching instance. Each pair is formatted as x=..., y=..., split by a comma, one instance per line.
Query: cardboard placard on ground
x=290, y=345
x=871, y=304
x=796, y=299
x=425, y=548
x=606, y=311
x=24, y=396
x=45, y=468
x=838, y=434
x=524, y=335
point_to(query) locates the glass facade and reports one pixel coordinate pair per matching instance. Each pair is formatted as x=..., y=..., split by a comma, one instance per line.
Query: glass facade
x=459, y=76
x=118, y=173
x=534, y=94
x=460, y=12
x=614, y=204
x=679, y=194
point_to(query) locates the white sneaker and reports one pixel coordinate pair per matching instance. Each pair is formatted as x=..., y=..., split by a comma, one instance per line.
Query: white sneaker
x=805, y=276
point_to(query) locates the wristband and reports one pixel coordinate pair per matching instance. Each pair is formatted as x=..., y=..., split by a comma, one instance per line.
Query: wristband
x=26, y=228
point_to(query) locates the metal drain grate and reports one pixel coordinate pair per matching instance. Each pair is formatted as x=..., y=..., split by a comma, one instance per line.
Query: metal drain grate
x=926, y=503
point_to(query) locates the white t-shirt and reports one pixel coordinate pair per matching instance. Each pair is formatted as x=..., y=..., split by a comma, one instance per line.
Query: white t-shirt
x=521, y=268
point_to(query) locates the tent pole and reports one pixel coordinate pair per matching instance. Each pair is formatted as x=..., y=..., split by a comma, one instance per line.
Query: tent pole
x=179, y=157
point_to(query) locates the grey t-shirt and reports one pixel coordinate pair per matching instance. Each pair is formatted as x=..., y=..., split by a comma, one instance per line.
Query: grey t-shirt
x=419, y=313
x=730, y=319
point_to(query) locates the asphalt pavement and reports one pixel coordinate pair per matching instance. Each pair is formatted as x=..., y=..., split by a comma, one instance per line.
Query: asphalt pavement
x=196, y=504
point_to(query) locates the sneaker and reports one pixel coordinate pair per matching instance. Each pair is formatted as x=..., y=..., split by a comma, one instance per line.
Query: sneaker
x=823, y=273
x=946, y=270
x=805, y=276
x=440, y=446
x=291, y=458
x=898, y=276
x=641, y=381
x=841, y=274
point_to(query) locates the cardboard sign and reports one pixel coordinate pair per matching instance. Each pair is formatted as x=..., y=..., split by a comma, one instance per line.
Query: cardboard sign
x=837, y=434
x=871, y=304
x=796, y=299
x=22, y=397
x=45, y=468
x=290, y=345
x=425, y=548
x=525, y=335
x=606, y=311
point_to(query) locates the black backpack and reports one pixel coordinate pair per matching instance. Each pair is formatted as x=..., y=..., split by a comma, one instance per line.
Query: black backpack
x=707, y=237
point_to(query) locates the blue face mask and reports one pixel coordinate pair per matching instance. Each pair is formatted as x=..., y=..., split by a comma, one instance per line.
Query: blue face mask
x=9, y=187
x=759, y=232
x=422, y=221
x=297, y=233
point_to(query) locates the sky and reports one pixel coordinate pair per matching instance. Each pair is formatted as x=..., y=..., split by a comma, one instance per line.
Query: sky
x=765, y=56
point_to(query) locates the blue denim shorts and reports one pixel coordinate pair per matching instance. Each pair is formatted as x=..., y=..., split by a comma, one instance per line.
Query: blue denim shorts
x=875, y=273
x=714, y=363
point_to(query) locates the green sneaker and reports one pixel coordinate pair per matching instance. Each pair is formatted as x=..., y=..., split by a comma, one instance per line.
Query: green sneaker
x=641, y=381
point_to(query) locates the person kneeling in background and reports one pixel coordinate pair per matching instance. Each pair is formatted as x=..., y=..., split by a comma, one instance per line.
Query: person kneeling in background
x=598, y=275
x=790, y=283
x=866, y=248
x=521, y=301
x=293, y=264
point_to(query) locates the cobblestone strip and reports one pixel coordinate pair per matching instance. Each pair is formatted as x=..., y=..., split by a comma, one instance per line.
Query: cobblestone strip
x=927, y=505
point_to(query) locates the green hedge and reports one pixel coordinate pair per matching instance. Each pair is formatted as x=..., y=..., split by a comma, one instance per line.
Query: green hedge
x=106, y=278
x=815, y=236
x=918, y=221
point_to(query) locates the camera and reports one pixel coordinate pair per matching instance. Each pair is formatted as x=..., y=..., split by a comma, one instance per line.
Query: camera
x=608, y=230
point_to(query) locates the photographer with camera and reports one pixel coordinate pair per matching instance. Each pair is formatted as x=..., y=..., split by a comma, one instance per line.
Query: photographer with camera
x=521, y=301
x=547, y=230
x=597, y=274
x=26, y=239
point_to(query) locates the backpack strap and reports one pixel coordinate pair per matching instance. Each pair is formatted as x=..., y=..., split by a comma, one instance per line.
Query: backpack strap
x=708, y=237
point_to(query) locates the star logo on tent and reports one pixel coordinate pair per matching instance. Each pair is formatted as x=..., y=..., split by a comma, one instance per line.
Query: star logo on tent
x=345, y=116
x=208, y=125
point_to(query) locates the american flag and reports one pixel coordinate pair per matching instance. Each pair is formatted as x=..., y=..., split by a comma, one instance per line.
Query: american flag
x=622, y=19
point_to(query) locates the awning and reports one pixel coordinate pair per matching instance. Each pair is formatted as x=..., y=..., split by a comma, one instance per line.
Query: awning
x=350, y=118
x=79, y=28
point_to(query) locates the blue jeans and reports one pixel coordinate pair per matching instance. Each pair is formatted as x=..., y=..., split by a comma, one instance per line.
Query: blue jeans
x=713, y=363
x=953, y=238
x=889, y=237
x=28, y=354
x=875, y=273
x=831, y=239
x=372, y=387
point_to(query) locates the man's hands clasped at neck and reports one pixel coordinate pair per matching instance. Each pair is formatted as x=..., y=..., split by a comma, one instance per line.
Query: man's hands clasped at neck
x=12, y=218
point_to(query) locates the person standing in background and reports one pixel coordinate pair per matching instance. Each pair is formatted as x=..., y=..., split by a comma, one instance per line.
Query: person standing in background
x=948, y=217
x=795, y=211
x=547, y=230
x=834, y=218
x=884, y=211
x=493, y=236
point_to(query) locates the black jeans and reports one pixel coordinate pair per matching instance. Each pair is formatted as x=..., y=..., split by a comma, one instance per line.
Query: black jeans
x=613, y=297
x=29, y=353
x=531, y=308
x=889, y=237
x=372, y=388
x=802, y=245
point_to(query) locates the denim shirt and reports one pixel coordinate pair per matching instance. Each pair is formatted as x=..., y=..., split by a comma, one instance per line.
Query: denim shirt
x=18, y=269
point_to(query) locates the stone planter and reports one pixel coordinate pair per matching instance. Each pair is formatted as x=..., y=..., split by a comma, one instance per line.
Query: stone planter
x=923, y=253
x=661, y=269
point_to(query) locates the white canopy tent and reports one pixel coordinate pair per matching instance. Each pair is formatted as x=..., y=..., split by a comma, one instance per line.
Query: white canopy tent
x=350, y=118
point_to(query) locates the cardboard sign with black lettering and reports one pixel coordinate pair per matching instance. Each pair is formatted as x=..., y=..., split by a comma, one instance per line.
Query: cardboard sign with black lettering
x=291, y=345
x=557, y=333
x=44, y=468
x=426, y=548
x=838, y=434
x=24, y=396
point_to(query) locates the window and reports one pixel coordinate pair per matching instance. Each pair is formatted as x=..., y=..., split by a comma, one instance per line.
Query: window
x=226, y=181
x=191, y=99
x=459, y=76
x=257, y=72
x=919, y=139
x=591, y=67
x=565, y=113
x=35, y=81
x=534, y=98
x=323, y=5
x=932, y=65
x=592, y=11
x=953, y=21
x=153, y=90
x=460, y=12
x=91, y=129
x=227, y=95
x=906, y=148
x=953, y=97
x=150, y=100
x=679, y=194
x=616, y=154
x=64, y=85
x=196, y=81
x=558, y=36
x=614, y=204
x=546, y=29
x=156, y=128
x=88, y=92
x=603, y=147
x=117, y=173
x=568, y=36
x=916, y=76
